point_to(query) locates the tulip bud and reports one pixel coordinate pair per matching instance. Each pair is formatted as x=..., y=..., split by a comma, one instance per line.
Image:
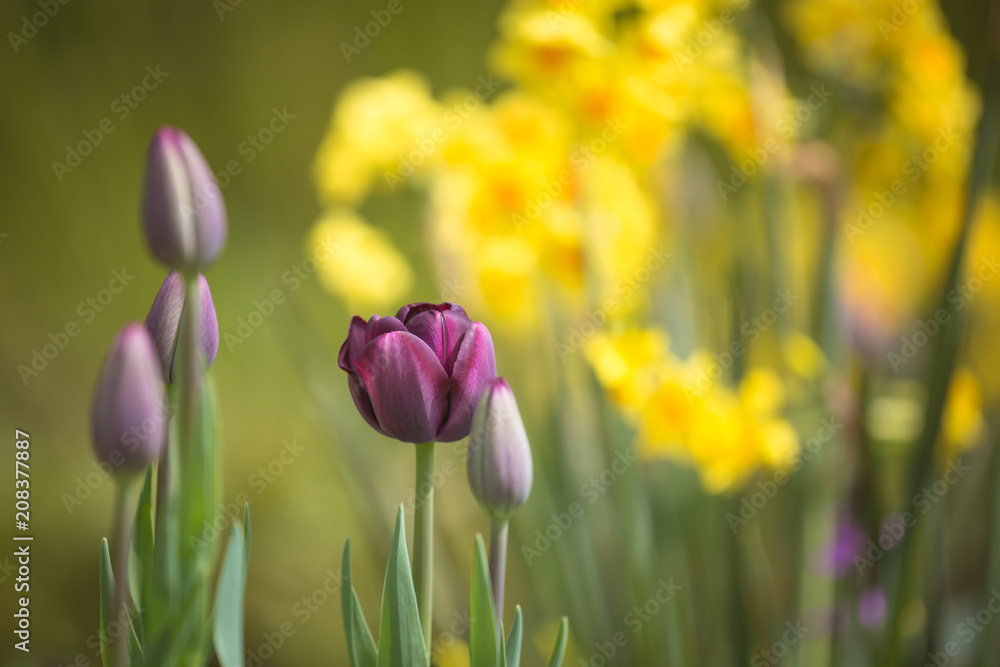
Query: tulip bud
x=128, y=419
x=500, y=470
x=183, y=211
x=163, y=322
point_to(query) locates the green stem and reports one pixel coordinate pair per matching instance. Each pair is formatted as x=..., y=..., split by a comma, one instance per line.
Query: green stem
x=122, y=537
x=498, y=565
x=423, y=539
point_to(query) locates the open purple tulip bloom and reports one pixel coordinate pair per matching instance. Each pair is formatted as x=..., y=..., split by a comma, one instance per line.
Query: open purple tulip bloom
x=417, y=377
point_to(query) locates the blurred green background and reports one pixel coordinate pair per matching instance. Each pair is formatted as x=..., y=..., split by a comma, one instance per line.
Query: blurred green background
x=63, y=236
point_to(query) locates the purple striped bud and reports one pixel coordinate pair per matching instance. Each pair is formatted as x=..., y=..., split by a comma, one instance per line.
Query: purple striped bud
x=183, y=211
x=129, y=414
x=500, y=469
x=164, y=318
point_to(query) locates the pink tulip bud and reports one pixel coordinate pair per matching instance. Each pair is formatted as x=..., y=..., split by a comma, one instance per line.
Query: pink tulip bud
x=129, y=415
x=183, y=211
x=499, y=463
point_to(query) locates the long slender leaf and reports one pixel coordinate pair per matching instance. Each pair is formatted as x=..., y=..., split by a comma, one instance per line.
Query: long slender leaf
x=227, y=626
x=400, y=640
x=560, y=647
x=360, y=646
x=107, y=600
x=142, y=552
x=483, y=648
x=512, y=652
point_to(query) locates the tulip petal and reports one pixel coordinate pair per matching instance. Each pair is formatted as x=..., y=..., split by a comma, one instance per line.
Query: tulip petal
x=129, y=412
x=381, y=325
x=209, y=323
x=362, y=402
x=475, y=366
x=406, y=313
x=442, y=331
x=407, y=386
x=164, y=318
x=211, y=226
x=355, y=342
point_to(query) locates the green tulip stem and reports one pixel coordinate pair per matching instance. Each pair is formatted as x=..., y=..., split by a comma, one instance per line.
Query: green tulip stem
x=423, y=538
x=498, y=565
x=122, y=542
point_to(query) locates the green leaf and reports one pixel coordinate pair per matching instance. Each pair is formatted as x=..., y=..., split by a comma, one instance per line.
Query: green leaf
x=135, y=646
x=227, y=626
x=560, y=647
x=360, y=646
x=107, y=600
x=169, y=647
x=513, y=649
x=163, y=599
x=483, y=648
x=142, y=551
x=400, y=639
x=246, y=539
x=503, y=642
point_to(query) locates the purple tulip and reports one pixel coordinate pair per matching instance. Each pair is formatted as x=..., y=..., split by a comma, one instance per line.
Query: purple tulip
x=163, y=322
x=872, y=607
x=499, y=463
x=129, y=415
x=848, y=542
x=183, y=211
x=417, y=377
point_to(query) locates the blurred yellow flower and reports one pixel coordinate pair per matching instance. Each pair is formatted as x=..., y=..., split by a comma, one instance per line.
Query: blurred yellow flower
x=360, y=264
x=455, y=654
x=963, y=419
x=375, y=136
